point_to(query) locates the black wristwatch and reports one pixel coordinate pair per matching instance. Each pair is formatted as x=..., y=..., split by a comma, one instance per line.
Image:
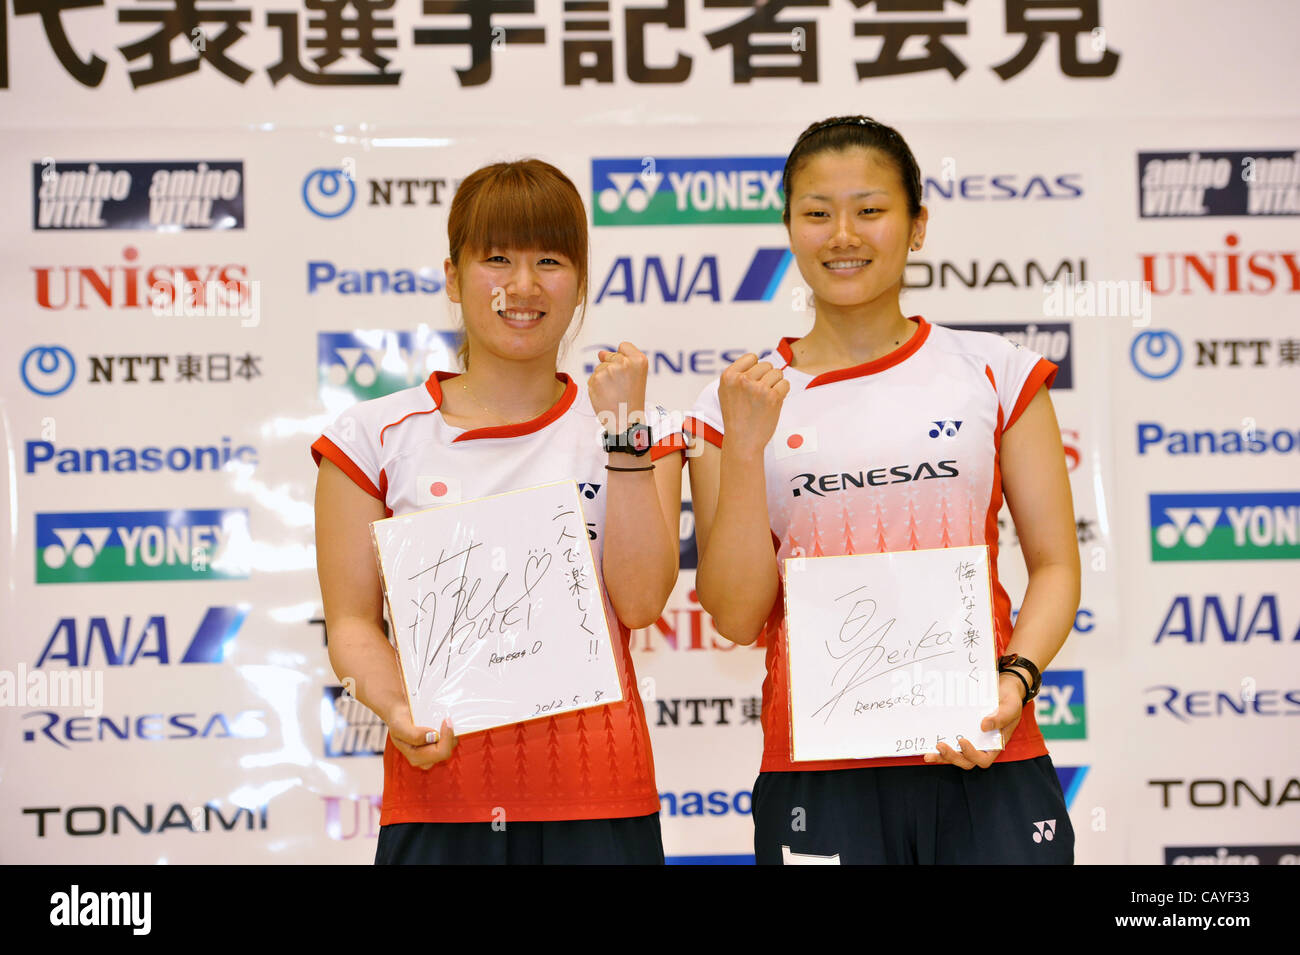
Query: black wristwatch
x=1013, y=662
x=635, y=440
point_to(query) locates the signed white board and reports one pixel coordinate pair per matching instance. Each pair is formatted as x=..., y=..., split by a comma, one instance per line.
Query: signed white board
x=497, y=613
x=890, y=653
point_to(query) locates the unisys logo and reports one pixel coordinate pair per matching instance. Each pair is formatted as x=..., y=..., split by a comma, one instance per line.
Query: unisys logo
x=1230, y=270
x=132, y=284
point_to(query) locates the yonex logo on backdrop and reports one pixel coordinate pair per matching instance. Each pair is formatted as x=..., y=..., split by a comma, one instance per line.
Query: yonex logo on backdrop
x=372, y=363
x=1060, y=707
x=1237, y=525
x=95, y=546
x=650, y=190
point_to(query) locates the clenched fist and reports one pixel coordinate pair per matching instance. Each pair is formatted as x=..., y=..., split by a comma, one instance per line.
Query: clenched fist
x=617, y=386
x=751, y=393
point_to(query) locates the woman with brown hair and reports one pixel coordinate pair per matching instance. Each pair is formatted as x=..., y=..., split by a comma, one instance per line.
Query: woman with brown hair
x=573, y=788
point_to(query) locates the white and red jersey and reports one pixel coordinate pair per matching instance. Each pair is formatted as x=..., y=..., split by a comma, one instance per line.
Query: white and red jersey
x=900, y=453
x=588, y=764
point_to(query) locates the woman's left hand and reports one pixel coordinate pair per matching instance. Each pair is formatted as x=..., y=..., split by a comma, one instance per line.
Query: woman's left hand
x=617, y=387
x=1006, y=717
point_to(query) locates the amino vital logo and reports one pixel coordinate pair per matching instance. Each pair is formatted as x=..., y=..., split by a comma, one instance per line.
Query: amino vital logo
x=708, y=190
x=98, y=546
x=369, y=364
x=1060, y=708
x=162, y=196
x=348, y=726
x=1257, y=182
x=1071, y=778
x=1242, y=525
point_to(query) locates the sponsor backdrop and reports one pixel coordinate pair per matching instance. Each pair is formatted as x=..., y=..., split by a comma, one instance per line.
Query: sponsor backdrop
x=229, y=223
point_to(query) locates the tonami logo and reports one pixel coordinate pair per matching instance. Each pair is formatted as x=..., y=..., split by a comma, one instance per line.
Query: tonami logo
x=1223, y=271
x=131, y=284
x=975, y=274
x=823, y=484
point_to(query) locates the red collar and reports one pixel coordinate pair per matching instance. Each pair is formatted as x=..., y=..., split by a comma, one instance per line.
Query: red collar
x=434, y=386
x=899, y=354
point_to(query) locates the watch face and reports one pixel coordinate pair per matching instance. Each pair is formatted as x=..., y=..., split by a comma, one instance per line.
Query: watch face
x=640, y=438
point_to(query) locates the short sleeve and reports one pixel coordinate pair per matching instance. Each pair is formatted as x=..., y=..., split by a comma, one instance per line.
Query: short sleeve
x=1021, y=374
x=347, y=443
x=705, y=418
x=666, y=435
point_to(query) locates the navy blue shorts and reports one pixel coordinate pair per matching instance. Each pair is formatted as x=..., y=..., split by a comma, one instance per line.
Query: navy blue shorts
x=633, y=840
x=1009, y=814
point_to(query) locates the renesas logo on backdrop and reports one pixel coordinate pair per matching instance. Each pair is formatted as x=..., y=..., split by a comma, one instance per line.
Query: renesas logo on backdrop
x=1236, y=525
x=718, y=190
x=685, y=279
x=162, y=196
x=1249, y=699
x=1002, y=186
x=348, y=726
x=332, y=192
x=368, y=364
x=1060, y=708
x=1257, y=182
x=701, y=361
x=61, y=729
x=1052, y=340
x=100, y=546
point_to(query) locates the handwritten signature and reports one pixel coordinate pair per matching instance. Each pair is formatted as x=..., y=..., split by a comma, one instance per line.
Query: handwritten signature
x=864, y=651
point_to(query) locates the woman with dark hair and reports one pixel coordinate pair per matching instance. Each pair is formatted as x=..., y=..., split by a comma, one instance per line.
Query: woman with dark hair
x=953, y=420
x=573, y=788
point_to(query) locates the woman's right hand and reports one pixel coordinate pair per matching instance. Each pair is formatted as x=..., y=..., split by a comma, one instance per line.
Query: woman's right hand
x=751, y=393
x=412, y=741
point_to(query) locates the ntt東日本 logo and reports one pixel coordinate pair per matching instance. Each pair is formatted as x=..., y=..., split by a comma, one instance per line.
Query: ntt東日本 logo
x=160, y=196
x=1238, y=525
x=707, y=190
x=1060, y=708
x=1255, y=182
x=86, y=547
x=359, y=365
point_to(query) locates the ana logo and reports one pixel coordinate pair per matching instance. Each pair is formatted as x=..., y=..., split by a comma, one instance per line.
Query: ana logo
x=48, y=370
x=140, y=637
x=1156, y=354
x=1071, y=778
x=329, y=193
x=945, y=428
x=360, y=365
x=433, y=490
x=1059, y=708
x=1244, y=525
x=99, y=546
x=687, y=191
x=589, y=491
x=1227, y=619
x=790, y=443
x=1045, y=831
x=682, y=282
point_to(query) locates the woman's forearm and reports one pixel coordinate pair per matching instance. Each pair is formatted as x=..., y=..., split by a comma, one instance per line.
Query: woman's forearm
x=640, y=550
x=360, y=652
x=737, y=579
x=1047, y=613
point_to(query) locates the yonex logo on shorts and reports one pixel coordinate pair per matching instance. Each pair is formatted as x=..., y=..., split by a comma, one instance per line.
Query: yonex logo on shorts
x=1045, y=831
